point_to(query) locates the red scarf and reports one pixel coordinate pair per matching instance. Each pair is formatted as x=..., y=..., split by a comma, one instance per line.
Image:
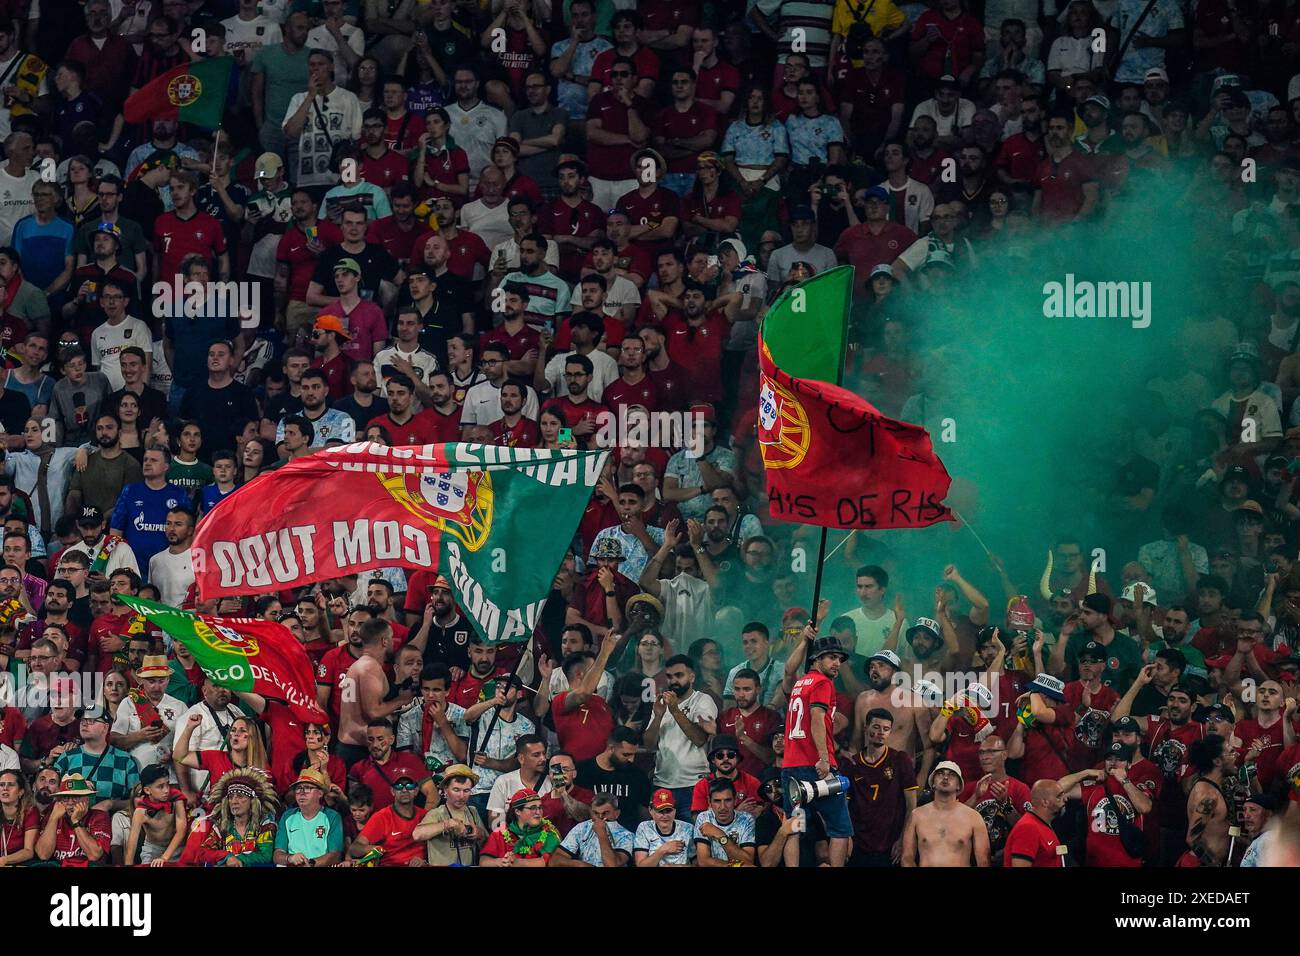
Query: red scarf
x=11, y=293
x=148, y=712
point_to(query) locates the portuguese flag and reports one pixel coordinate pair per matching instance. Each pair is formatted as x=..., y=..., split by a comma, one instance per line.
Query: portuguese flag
x=831, y=458
x=242, y=653
x=495, y=521
x=192, y=93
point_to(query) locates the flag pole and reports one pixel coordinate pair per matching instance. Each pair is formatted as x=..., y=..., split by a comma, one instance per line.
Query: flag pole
x=496, y=712
x=839, y=380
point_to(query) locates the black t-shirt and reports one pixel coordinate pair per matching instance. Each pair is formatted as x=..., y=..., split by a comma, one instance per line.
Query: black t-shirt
x=15, y=409
x=220, y=412
x=451, y=300
x=376, y=265
x=362, y=416
x=283, y=404
x=140, y=203
x=452, y=47
x=153, y=403
x=449, y=645
x=629, y=784
x=768, y=823
x=1148, y=701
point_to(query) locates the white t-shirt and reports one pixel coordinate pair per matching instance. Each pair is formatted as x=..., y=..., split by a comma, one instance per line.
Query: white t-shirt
x=338, y=120
x=172, y=574
x=603, y=371
x=160, y=373
x=506, y=786
x=208, y=736
x=9, y=758
x=482, y=405
x=618, y=293
x=678, y=762
x=320, y=38
x=16, y=202
x=947, y=125
x=475, y=130
x=871, y=633
x=489, y=223
x=648, y=838
x=423, y=362
x=107, y=342
x=128, y=722
x=250, y=36
x=122, y=556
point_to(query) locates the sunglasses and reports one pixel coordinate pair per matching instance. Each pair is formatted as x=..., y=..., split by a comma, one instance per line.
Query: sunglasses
x=726, y=754
x=404, y=785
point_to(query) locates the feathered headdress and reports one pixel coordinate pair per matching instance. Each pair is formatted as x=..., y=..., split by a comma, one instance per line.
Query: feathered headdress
x=251, y=781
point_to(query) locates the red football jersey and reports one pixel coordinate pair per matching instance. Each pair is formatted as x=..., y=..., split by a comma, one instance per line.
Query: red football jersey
x=813, y=689
x=387, y=829
x=175, y=238
x=619, y=393
x=761, y=726
x=426, y=428
x=383, y=172
x=698, y=349
x=1103, y=801
x=1032, y=839
x=584, y=730
x=381, y=777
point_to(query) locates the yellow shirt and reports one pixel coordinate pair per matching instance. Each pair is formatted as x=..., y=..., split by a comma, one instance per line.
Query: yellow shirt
x=880, y=15
x=28, y=77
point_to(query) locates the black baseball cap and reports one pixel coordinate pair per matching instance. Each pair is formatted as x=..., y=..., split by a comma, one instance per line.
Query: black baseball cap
x=1092, y=651
x=90, y=516
x=1127, y=725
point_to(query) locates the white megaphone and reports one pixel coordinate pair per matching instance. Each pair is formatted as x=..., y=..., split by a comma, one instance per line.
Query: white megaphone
x=802, y=792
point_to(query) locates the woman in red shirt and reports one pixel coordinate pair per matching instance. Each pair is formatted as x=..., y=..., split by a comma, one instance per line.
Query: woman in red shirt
x=244, y=748
x=20, y=821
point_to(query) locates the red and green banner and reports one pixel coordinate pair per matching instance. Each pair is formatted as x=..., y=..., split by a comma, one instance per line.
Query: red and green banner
x=831, y=458
x=495, y=521
x=242, y=653
x=192, y=93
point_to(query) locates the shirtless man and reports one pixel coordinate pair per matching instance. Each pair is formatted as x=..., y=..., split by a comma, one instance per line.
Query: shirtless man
x=158, y=821
x=1208, y=813
x=368, y=686
x=911, y=731
x=945, y=832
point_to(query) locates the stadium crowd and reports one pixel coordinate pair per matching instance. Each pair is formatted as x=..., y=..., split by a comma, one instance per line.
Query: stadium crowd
x=542, y=224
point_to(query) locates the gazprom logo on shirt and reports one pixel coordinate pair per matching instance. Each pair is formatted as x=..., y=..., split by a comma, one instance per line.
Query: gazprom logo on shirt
x=141, y=525
x=209, y=300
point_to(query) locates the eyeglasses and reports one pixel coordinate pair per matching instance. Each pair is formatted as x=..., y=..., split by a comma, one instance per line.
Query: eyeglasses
x=103, y=193
x=487, y=363
x=618, y=74
x=726, y=754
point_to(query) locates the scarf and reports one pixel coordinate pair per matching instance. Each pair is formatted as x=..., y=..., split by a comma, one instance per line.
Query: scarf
x=147, y=711
x=45, y=453
x=538, y=841
x=106, y=549
x=154, y=807
x=11, y=288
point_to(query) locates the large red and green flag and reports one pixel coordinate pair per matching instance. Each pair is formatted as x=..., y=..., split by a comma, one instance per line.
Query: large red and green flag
x=193, y=92
x=494, y=521
x=830, y=456
x=242, y=653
